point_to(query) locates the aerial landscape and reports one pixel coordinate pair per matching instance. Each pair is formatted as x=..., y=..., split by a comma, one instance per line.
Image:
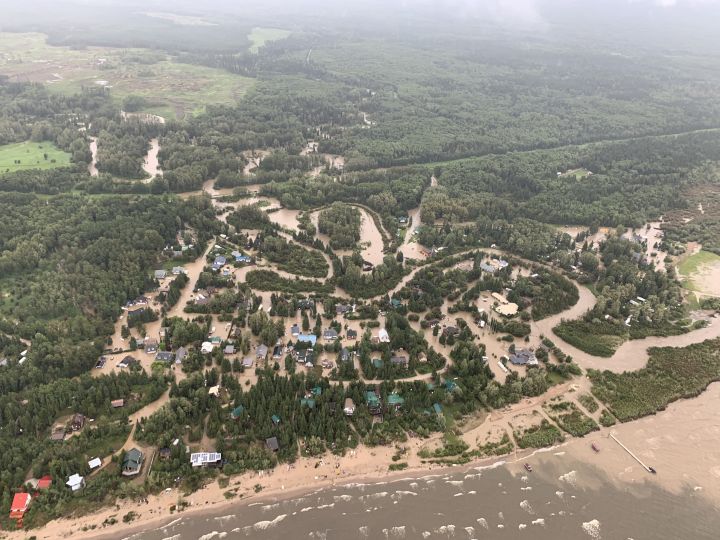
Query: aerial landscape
x=366, y=269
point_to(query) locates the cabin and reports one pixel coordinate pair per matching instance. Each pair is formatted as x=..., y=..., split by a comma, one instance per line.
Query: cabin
x=261, y=352
x=330, y=334
x=349, y=407
x=77, y=422
x=166, y=357
x=272, y=444
x=205, y=459
x=20, y=505
x=75, y=482
x=132, y=462
x=523, y=357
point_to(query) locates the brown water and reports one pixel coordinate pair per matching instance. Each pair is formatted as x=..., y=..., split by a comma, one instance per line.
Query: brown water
x=151, y=165
x=92, y=167
x=572, y=493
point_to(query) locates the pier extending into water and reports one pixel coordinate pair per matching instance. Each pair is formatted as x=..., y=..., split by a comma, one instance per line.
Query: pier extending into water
x=648, y=469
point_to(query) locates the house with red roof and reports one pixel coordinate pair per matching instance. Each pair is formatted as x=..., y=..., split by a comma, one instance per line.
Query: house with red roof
x=20, y=505
x=45, y=482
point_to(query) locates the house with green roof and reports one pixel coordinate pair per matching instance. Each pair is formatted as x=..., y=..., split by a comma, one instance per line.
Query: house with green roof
x=132, y=462
x=308, y=402
x=275, y=419
x=395, y=401
x=237, y=412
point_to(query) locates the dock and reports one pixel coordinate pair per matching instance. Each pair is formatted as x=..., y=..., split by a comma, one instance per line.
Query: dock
x=648, y=469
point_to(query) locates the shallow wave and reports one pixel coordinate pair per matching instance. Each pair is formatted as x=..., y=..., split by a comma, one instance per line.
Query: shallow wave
x=592, y=528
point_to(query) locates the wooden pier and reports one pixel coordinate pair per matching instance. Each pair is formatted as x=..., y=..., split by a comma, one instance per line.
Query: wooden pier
x=648, y=469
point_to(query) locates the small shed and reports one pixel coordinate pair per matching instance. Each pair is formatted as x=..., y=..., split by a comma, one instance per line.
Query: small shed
x=272, y=444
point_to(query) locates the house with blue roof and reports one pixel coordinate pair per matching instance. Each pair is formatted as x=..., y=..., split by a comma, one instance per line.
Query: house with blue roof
x=309, y=338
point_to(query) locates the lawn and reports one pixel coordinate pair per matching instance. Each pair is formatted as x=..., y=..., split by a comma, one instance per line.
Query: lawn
x=171, y=89
x=32, y=155
x=260, y=36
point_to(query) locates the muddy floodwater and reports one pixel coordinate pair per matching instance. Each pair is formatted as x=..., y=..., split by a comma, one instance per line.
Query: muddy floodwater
x=571, y=493
x=92, y=166
x=150, y=164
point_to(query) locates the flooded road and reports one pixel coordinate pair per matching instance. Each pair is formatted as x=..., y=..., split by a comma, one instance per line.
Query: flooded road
x=150, y=164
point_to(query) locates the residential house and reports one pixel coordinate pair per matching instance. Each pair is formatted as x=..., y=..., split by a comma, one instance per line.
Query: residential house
x=395, y=401
x=508, y=309
x=205, y=459
x=399, y=360
x=58, y=434
x=342, y=309
x=261, y=352
x=345, y=355
x=100, y=362
x=177, y=270
x=295, y=330
x=330, y=334
x=165, y=357
x=275, y=419
x=450, y=331
x=127, y=362
x=216, y=340
x=305, y=357
x=383, y=336
x=367, y=266
x=272, y=444
x=349, y=408
x=489, y=268
x=523, y=357
x=237, y=412
x=132, y=462
x=75, y=482
x=160, y=274
x=278, y=351
x=20, y=505
x=44, y=482
x=78, y=422
x=180, y=355
x=214, y=391
x=95, y=463
x=403, y=222
x=307, y=402
x=206, y=347
x=248, y=362
x=151, y=345
x=352, y=334
x=117, y=403
x=164, y=453
x=308, y=338
x=229, y=349
x=373, y=402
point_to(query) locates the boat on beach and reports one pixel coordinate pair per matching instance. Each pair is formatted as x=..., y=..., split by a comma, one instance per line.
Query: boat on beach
x=528, y=467
x=595, y=447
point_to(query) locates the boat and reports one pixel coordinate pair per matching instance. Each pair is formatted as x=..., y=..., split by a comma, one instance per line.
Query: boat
x=652, y=470
x=528, y=468
x=595, y=447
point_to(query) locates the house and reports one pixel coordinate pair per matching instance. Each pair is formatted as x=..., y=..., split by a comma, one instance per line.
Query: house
x=277, y=352
x=352, y=334
x=342, y=309
x=499, y=297
x=330, y=334
x=44, y=483
x=377, y=363
x=395, y=303
x=310, y=338
x=78, y=422
x=349, y=408
x=367, y=266
x=450, y=331
x=117, y=403
x=20, y=505
x=237, y=412
x=450, y=385
x=215, y=340
x=399, y=360
x=229, y=349
x=205, y=459
x=160, y=274
x=132, y=462
x=305, y=357
x=383, y=336
x=295, y=330
x=523, y=357
x=206, y=347
x=437, y=408
x=275, y=419
x=164, y=453
x=489, y=268
x=165, y=357
x=180, y=355
x=177, y=270
x=373, y=401
x=75, y=482
x=272, y=444
x=261, y=352
x=100, y=362
x=307, y=402
x=127, y=362
x=219, y=262
x=403, y=222
x=151, y=345
x=248, y=362
x=395, y=401
x=214, y=391
x=344, y=355
x=94, y=463
x=58, y=434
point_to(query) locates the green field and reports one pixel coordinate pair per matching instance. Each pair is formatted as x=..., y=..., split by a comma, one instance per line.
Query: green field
x=171, y=89
x=260, y=36
x=579, y=174
x=32, y=155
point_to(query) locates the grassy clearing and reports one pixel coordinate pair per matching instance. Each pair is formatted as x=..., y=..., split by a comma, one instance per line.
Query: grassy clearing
x=691, y=265
x=171, y=89
x=260, y=36
x=671, y=374
x=538, y=436
x=570, y=418
x=32, y=155
x=579, y=174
